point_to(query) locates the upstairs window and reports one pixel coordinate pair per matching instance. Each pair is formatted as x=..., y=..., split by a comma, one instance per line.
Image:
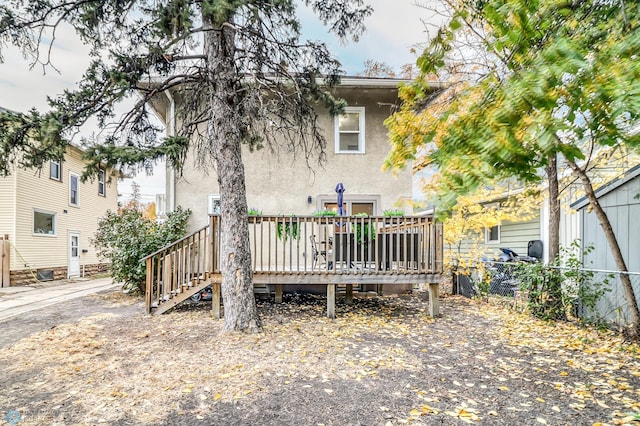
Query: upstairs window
x=101, y=185
x=73, y=189
x=349, y=131
x=55, y=170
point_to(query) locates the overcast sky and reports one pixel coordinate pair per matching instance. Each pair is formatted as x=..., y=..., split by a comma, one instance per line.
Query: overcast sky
x=392, y=30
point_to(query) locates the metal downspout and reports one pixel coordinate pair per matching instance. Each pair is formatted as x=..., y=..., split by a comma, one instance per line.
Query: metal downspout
x=171, y=131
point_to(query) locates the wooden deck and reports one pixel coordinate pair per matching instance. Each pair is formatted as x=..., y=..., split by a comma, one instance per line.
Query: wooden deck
x=295, y=252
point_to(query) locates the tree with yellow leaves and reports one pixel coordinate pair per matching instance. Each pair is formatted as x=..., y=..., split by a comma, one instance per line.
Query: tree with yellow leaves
x=474, y=213
x=564, y=84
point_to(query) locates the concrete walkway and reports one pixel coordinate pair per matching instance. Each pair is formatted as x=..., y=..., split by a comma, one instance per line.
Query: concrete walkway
x=18, y=300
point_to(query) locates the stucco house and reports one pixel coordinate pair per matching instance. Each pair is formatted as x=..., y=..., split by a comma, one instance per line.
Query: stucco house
x=49, y=217
x=278, y=184
x=388, y=255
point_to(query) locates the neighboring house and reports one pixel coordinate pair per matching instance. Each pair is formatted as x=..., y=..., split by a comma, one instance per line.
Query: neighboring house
x=50, y=217
x=620, y=200
x=512, y=235
x=357, y=144
x=516, y=235
x=471, y=246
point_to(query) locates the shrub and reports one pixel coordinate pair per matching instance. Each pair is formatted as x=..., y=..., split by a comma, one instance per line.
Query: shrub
x=363, y=230
x=393, y=213
x=555, y=291
x=287, y=228
x=544, y=285
x=126, y=237
x=325, y=213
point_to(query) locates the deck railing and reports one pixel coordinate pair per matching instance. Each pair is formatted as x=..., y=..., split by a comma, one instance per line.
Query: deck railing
x=308, y=245
x=176, y=271
x=303, y=250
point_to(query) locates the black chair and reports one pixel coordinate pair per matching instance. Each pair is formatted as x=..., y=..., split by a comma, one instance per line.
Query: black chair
x=320, y=254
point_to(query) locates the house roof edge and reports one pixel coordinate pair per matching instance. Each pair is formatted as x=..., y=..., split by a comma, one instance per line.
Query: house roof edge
x=630, y=174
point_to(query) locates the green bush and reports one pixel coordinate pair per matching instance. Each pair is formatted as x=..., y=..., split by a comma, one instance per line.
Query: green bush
x=363, y=231
x=126, y=237
x=544, y=286
x=393, y=213
x=287, y=228
x=325, y=213
x=554, y=291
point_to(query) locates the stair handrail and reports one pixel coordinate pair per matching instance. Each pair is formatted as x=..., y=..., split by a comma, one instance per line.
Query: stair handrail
x=168, y=246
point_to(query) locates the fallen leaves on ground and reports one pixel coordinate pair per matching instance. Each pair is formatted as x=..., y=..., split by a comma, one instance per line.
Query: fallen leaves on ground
x=382, y=361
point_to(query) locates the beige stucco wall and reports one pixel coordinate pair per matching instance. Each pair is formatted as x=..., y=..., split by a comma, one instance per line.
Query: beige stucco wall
x=280, y=184
x=35, y=190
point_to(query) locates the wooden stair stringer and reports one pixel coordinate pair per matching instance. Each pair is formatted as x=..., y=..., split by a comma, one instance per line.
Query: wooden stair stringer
x=187, y=292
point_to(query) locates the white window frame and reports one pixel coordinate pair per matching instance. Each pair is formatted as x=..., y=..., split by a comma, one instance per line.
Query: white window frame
x=213, y=204
x=58, y=165
x=77, y=179
x=487, y=235
x=54, y=221
x=102, y=187
x=361, y=134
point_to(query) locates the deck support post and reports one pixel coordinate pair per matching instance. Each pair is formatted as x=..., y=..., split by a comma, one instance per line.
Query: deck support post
x=278, y=293
x=434, y=301
x=349, y=294
x=215, y=300
x=331, y=301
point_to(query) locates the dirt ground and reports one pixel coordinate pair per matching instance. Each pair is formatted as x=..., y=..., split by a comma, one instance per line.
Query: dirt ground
x=100, y=360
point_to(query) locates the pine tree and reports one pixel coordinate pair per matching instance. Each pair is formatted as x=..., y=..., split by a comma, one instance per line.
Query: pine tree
x=237, y=65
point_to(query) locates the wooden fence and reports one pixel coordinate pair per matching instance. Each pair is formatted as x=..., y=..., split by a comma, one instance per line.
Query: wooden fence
x=5, y=261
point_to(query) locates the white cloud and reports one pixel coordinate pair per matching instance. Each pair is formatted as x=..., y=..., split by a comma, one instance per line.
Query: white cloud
x=24, y=86
x=393, y=29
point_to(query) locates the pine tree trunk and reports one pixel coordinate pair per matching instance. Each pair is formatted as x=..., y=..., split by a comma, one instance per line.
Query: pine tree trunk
x=554, y=208
x=634, y=327
x=240, y=311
